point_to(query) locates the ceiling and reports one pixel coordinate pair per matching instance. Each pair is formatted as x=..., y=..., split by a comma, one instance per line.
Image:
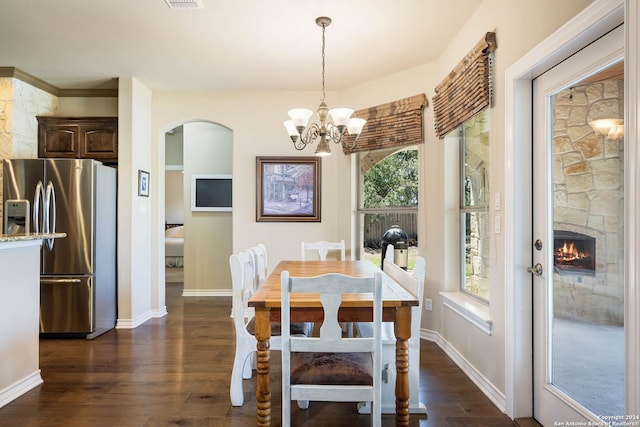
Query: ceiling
x=228, y=45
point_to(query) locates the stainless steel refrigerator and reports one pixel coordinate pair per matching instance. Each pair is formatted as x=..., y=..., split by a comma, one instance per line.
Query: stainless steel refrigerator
x=78, y=272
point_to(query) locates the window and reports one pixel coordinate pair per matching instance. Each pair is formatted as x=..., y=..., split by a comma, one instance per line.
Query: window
x=474, y=206
x=388, y=196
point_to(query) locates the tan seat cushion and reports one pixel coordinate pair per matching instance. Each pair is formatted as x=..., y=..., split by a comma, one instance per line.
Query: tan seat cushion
x=332, y=368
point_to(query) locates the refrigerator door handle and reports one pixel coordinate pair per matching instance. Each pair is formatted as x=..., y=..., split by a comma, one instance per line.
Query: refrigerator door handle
x=49, y=214
x=54, y=281
x=37, y=202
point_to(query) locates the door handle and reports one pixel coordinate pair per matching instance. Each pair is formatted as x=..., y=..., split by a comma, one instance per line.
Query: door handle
x=50, y=212
x=57, y=281
x=38, y=198
x=536, y=270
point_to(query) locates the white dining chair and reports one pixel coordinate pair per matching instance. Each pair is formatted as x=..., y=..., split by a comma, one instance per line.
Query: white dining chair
x=260, y=260
x=414, y=284
x=331, y=368
x=243, y=282
x=388, y=255
x=322, y=248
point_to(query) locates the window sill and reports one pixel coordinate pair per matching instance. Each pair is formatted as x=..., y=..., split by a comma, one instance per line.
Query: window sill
x=473, y=311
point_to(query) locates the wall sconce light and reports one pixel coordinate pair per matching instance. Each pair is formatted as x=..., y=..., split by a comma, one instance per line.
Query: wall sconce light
x=610, y=128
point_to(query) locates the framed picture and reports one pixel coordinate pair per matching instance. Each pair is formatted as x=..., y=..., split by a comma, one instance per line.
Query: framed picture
x=288, y=189
x=143, y=183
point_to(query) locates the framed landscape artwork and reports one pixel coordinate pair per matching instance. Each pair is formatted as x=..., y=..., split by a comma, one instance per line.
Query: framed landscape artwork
x=288, y=189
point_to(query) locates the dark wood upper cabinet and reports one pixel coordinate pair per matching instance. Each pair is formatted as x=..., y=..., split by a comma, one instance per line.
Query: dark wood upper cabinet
x=78, y=137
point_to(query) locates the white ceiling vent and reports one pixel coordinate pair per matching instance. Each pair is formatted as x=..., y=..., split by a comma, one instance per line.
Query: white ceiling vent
x=185, y=4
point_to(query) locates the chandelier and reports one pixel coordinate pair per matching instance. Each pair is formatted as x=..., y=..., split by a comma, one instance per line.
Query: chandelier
x=302, y=133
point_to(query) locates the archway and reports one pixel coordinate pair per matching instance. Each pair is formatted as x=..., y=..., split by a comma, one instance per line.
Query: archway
x=206, y=149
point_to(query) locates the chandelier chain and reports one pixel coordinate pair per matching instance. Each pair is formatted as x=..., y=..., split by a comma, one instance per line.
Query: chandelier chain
x=323, y=94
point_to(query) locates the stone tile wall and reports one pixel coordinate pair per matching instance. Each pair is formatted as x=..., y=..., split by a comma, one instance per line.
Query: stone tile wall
x=20, y=103
x=588, y=198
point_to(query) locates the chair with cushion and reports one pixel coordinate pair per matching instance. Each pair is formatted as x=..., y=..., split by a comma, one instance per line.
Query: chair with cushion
x=243, y=281
x=331, y=368
x=414, y=284
x=322, y=248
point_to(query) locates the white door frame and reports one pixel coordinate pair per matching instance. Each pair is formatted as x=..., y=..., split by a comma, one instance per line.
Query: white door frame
x=594, y=21
x=551, y=400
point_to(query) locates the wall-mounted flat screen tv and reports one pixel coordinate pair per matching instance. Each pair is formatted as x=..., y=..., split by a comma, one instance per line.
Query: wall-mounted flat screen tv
x=211, y=193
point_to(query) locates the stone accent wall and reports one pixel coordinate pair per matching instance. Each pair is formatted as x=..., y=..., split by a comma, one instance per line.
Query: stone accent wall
x=20, y=103
x=588, y=198
x=477, y=162
x=29, y=102
x=6, y=118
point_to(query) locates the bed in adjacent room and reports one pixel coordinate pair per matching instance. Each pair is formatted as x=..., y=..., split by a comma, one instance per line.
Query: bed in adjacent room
x=174, y=246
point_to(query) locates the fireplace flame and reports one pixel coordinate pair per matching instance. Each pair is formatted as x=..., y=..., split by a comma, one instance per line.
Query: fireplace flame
x=568, y=252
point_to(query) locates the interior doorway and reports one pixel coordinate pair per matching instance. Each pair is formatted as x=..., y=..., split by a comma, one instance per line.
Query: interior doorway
x=195, y=149
x=174, y=205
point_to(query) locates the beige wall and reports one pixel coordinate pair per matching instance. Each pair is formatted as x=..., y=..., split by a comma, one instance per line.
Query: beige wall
x=140, y=293
x=174, y=174
x=95, y=106
x=174, y=197
x=256, y=121
x=174, y=148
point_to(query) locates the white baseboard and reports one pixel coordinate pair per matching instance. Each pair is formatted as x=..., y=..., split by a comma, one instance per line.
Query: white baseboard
x=495, y=395
x=19, y=388
x=159, y=312
x=134, y=323
x=207, y=292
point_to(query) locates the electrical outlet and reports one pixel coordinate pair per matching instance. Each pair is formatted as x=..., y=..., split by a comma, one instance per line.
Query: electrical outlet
x=428, y=304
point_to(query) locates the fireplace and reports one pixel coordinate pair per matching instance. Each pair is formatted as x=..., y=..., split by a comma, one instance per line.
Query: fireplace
x=574, y=253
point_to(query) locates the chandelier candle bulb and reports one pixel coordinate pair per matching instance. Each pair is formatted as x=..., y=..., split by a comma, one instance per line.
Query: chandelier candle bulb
x=300, y=118
x=291, y=129
x=341, y=116
x=354, y=127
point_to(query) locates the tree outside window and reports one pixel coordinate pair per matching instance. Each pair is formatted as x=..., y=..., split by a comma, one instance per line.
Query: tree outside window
x=389, y=196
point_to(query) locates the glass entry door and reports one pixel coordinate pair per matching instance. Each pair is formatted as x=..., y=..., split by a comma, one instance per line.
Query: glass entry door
x=577, y=268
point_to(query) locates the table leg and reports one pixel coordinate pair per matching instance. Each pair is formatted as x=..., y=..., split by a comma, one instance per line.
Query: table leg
x=403, y=333
x=263, y=386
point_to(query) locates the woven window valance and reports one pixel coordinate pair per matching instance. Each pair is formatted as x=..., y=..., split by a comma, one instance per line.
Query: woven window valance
x=467, y=90
x=395, y=124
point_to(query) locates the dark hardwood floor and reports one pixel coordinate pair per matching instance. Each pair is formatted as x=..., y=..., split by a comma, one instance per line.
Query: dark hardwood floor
x=175, y=371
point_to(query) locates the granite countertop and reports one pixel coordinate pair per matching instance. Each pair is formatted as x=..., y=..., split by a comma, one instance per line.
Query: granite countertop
x=30, y=236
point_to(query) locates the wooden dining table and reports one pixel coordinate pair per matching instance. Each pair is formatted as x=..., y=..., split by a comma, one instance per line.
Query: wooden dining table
x=397, y=303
